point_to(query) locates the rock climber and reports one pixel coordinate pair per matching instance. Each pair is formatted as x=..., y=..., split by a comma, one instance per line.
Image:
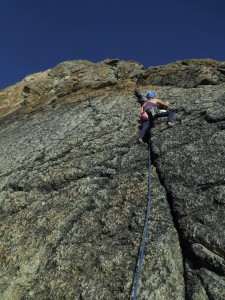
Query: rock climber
x=151, y=110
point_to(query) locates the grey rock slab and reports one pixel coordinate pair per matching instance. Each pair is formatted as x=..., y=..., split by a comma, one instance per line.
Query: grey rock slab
x=73, y=184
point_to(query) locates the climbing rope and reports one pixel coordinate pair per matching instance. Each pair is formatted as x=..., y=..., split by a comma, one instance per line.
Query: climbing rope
x=144, y=236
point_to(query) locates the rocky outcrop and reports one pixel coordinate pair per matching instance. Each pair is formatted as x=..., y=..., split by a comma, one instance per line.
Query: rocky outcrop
x=73, y=188
x=187, y=74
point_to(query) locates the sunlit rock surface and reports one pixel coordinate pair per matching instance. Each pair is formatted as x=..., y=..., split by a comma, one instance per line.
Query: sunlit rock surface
x=74, y=183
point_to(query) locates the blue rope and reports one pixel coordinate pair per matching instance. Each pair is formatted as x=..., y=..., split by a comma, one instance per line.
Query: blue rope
x=144, y=237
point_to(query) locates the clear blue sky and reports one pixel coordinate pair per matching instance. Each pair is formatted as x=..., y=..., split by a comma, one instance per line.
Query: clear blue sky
x=38, y=34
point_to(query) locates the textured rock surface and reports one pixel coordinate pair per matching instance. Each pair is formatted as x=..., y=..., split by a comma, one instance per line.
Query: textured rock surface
x=187, y=74
x=73, y=186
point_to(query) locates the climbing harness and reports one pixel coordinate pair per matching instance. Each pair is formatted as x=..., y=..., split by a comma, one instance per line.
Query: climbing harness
x=144, y=236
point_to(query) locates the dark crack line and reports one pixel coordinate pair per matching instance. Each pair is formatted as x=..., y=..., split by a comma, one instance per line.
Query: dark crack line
x=185, y=246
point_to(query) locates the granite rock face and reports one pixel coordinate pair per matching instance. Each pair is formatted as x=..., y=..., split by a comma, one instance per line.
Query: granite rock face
x=186, y=74
x=74, y=183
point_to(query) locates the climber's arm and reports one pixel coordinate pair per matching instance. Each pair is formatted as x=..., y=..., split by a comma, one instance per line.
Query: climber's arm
x=163, y=103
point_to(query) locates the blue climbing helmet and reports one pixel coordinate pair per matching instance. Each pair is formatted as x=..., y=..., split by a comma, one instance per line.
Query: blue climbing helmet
x=150, y=94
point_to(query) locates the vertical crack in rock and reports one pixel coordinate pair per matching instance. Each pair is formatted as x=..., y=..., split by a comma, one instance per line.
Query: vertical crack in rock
x=163, y=261
x=185, y=248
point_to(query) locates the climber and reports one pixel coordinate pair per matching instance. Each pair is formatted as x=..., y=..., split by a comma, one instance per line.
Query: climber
x=150, y=110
